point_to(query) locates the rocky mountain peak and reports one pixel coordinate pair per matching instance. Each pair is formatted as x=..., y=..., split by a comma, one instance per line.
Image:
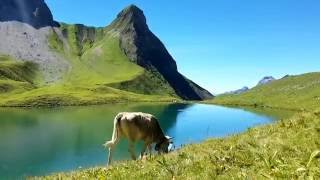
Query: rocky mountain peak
x=139, y=43
x=266, y=80
x=133, y=12
x=129, y=19
x=144, y=48
x=33, y=12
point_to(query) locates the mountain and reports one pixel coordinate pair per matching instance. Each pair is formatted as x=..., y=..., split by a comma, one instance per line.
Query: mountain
x=77, y=64
x=295, y=92
x=33, y=12
x=239, y=91
x=142, y=47
x=266, y=80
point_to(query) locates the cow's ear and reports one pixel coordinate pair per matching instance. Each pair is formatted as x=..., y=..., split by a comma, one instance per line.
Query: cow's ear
x=169, y=139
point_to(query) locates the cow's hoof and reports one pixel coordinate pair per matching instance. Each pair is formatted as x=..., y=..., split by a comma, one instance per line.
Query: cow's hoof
x=144, y=158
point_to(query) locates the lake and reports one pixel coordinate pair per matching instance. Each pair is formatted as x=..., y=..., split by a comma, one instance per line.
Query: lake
x=42, y=141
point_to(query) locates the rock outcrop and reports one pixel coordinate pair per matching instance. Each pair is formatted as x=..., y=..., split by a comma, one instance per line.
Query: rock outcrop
x=266, y=80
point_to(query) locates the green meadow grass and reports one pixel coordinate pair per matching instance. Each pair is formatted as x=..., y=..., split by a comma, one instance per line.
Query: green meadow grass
x=16, y=77
x=17, y=71
x=64, y=95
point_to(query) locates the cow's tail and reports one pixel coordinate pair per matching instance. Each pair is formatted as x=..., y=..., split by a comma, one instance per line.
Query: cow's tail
x=115, y=134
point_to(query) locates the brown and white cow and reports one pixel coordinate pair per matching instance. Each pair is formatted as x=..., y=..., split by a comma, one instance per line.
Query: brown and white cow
x=137, y=126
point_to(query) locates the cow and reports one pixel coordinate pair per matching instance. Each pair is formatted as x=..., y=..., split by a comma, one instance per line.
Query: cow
x=137, y=126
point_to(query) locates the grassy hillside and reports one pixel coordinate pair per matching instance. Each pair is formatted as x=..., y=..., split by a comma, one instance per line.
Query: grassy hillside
x=294, y=92
x=17, y=71
x=100, y=73
x=101, y=61
x=94, y=58
x=16, y=76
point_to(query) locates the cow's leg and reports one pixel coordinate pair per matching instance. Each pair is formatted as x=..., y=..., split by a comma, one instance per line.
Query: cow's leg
x=111, y=150
x=144, y=147
x=150, y=150
x=110, y=156
x=131, y=150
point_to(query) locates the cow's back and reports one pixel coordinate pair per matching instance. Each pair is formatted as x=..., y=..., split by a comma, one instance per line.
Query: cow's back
x=138, y=126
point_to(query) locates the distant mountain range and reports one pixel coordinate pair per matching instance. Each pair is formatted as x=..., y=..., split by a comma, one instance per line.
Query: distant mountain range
x=263, y=81
x=238, y=91
x=125, y=55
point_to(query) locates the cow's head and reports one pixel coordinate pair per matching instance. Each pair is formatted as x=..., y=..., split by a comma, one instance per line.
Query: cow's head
x=164, y=145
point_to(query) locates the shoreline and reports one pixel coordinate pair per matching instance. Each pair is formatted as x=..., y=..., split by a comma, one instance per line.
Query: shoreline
x=173, y=100
x=237, y=105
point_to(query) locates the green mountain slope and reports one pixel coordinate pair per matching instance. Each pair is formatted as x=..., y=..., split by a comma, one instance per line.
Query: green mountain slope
x=96, y=59
x=125, y=59
x=16, y=76
x=95, y=56
x=293, y=92
x=21, y=85
x=99, y=72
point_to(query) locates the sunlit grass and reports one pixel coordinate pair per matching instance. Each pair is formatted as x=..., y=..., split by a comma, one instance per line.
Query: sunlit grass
x=63, y=95
x=16, y=77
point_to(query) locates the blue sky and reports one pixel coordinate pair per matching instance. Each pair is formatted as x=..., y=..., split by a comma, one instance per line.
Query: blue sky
x=220, y=44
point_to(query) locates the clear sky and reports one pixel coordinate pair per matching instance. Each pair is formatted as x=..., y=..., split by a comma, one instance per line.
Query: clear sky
x=220, y=44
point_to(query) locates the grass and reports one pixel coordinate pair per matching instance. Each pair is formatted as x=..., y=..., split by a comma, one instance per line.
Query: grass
x=104, y=63
x=16, y=76
x=80, y=38
x=301, y=92
x=146, y=83
x=288, y=149
x=17, y=71
x=64, y=95
x=55, y=43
